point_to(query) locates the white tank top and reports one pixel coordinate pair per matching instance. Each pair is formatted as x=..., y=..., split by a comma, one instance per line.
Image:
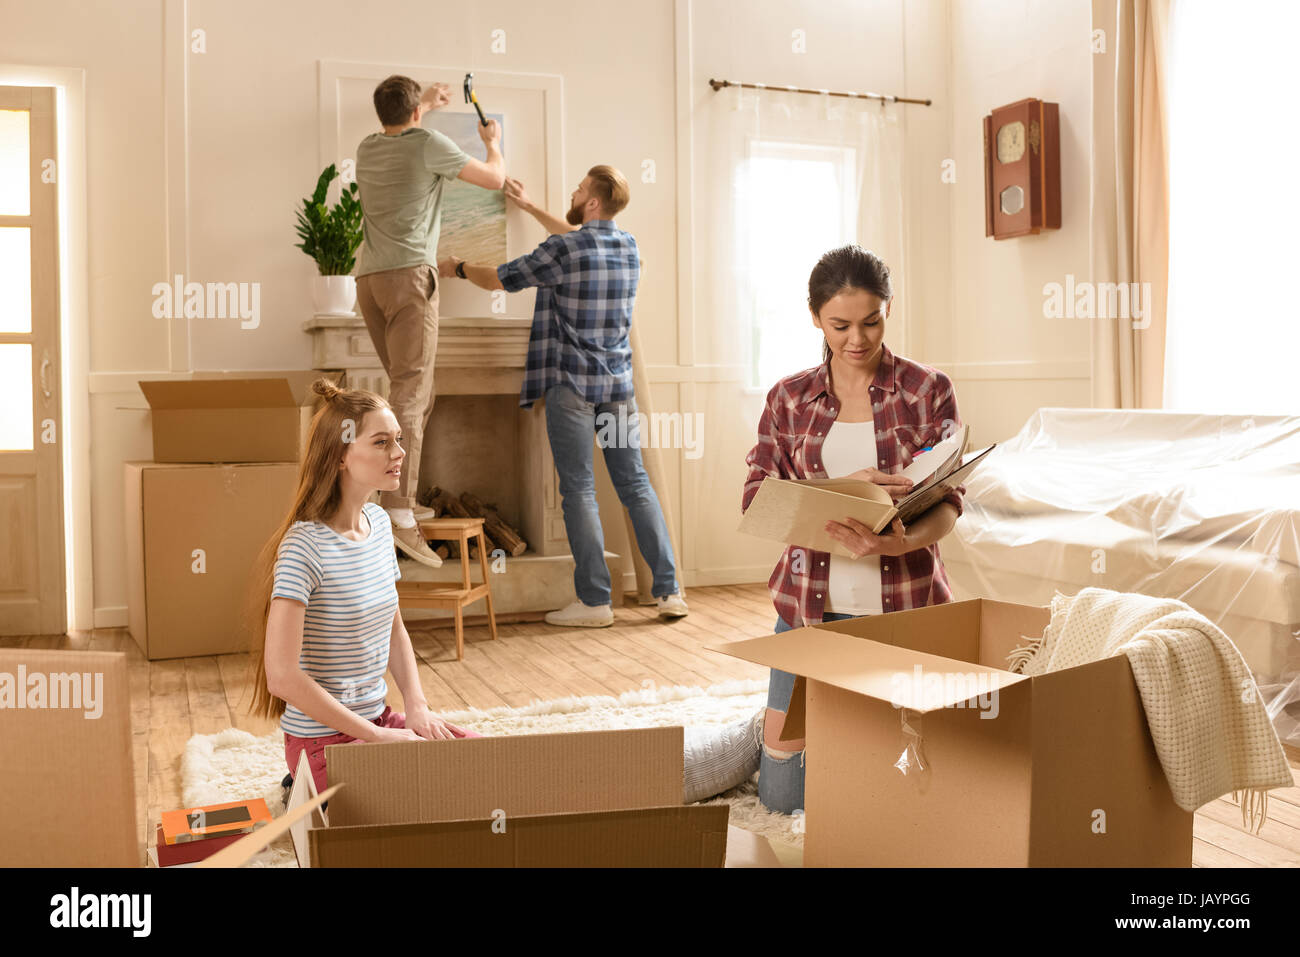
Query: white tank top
x=854, y=587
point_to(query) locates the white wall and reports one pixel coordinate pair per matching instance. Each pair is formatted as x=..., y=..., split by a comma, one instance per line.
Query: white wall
x=1005, y=357
x=251, y=107
x=250, y=102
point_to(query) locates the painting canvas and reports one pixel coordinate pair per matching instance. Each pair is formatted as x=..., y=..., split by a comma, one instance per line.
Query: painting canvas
x=473, y=219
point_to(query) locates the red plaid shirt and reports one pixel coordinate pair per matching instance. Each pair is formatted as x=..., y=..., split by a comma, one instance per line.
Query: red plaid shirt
x=914, y=407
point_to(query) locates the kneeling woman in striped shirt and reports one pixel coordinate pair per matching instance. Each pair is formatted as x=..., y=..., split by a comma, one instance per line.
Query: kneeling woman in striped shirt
x=863, y=413
x=328, y=596
x=332, y=625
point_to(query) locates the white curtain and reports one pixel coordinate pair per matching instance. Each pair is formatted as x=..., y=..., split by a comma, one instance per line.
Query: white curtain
x=792, y=176
x=780, y=179
x=1130, y=196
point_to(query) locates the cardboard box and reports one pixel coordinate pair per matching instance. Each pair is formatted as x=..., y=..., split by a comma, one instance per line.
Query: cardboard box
x=747, y=849
x=67, y=781
x=249, y=419
x=1061, y=772
x=192, y=535
x=585, y=799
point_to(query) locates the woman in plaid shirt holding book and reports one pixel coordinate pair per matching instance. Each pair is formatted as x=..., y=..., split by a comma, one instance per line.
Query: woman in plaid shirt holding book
x=863, y=413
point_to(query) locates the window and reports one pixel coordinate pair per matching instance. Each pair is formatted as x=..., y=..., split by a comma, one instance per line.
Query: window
x=794, y=201
x=1234, y=205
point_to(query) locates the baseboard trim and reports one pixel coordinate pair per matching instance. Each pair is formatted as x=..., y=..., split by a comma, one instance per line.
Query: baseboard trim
x=114, y=616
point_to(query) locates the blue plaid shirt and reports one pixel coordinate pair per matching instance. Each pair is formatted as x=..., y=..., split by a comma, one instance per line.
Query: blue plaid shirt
x=586, y=284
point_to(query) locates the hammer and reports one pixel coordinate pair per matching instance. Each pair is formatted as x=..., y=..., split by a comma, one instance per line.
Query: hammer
x=471, y=98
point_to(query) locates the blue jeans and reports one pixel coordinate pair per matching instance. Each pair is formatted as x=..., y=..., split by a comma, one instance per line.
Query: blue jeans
x=571, y=422
x=780, y=780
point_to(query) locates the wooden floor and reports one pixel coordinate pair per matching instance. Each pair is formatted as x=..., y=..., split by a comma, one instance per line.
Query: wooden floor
x=172, y=700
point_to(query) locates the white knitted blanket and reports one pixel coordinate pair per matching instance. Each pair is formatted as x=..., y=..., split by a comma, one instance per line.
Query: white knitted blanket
x=1205, y=714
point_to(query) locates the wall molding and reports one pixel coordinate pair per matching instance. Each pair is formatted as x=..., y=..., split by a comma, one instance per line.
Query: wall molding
x=550, y=85
x=176, y=163
x=702, y=373
x=1017, y=369
x=731, y=575
x=124, y=380
x=111, y=616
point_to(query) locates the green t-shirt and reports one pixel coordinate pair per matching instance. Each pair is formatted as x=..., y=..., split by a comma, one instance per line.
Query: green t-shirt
x=400, y=180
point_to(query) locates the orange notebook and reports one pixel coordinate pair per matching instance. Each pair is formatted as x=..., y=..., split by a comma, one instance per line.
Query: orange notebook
x=214, y=820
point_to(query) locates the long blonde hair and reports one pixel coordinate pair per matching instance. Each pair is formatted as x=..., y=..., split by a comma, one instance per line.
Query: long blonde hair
x=336, y=423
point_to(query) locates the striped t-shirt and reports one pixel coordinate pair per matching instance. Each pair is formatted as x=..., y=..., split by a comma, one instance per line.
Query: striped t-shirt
x=350, y=592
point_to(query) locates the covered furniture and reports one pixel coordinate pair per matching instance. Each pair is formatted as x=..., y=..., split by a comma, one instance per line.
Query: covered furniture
x=1203, y=508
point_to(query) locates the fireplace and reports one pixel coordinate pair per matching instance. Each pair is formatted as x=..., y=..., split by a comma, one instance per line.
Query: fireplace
x=478, y=440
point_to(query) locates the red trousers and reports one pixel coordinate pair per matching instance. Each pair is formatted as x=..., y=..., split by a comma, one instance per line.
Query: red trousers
x=315, y=747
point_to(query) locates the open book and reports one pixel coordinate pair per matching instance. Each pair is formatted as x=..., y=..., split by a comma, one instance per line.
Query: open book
x=795, y=511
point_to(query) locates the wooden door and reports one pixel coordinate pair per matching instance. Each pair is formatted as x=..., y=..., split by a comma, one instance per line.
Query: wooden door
x=32, y=587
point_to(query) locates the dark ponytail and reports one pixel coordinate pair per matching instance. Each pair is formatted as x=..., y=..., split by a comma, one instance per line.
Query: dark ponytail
x=847, y=267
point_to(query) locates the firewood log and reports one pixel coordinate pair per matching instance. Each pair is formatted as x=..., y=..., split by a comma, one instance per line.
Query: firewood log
x=499, y=532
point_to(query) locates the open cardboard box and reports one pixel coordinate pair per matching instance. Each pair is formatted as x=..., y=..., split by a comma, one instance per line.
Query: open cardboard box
x=253, y=418
x=1053, y=770
x=583, y=799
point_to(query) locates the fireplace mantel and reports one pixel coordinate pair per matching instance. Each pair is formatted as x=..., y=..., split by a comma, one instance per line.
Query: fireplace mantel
x=478, y=439
x=476, y=356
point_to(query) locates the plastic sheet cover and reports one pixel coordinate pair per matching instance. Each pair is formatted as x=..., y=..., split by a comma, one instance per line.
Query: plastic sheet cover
x=1202, y=508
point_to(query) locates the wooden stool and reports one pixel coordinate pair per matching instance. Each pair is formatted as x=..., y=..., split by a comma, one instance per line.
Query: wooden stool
x=453, y=595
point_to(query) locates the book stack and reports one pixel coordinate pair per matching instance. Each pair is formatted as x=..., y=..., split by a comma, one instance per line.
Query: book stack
x=190, y=835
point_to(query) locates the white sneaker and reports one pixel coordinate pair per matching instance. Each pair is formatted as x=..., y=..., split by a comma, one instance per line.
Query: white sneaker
x=423, y=514
x=672, y=606
x=578, y=615
x=411, y=543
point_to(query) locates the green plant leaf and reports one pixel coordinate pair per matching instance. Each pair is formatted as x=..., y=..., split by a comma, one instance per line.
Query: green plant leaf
x=331, y=235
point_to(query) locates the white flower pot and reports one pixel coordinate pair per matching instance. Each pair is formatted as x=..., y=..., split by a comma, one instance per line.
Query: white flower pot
x=333, y=295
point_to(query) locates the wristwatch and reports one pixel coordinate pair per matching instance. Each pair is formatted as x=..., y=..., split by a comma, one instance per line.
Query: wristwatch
x=460, y=269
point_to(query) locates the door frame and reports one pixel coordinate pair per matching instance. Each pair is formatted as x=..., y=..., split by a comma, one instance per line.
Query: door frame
x=74, y=327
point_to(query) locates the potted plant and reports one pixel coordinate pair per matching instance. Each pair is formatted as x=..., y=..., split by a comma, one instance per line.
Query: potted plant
x=330, y=236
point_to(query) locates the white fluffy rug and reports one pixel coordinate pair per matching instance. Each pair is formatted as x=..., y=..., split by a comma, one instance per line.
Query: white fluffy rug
x=234, y=764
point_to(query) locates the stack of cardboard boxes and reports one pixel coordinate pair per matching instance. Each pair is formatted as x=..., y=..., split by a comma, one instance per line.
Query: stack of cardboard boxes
x=223, y=476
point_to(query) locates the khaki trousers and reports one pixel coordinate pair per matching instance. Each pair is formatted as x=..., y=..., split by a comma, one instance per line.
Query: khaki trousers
x=400, y=307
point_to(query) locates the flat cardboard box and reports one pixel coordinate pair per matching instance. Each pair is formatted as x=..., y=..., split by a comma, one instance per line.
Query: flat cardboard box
x=1062, y=773
x=193, y=533
x=247, y=419
x=67, y=781
x=584, y=799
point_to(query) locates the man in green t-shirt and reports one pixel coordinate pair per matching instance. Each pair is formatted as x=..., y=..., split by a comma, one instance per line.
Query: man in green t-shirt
x=400, y=173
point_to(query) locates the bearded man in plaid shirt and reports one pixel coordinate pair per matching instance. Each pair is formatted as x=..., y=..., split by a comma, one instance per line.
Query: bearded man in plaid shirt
x=580, y=363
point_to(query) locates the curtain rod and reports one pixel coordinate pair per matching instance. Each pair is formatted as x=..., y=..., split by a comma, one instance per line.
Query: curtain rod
x=883, y=97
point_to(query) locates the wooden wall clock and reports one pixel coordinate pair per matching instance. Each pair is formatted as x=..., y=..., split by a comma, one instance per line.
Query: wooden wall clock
x=1022, y=169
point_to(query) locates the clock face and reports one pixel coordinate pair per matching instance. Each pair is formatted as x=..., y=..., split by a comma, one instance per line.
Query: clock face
x=1011, y=142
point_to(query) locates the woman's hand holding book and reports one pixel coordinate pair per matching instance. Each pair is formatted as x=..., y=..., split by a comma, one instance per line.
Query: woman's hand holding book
x=896, y=485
